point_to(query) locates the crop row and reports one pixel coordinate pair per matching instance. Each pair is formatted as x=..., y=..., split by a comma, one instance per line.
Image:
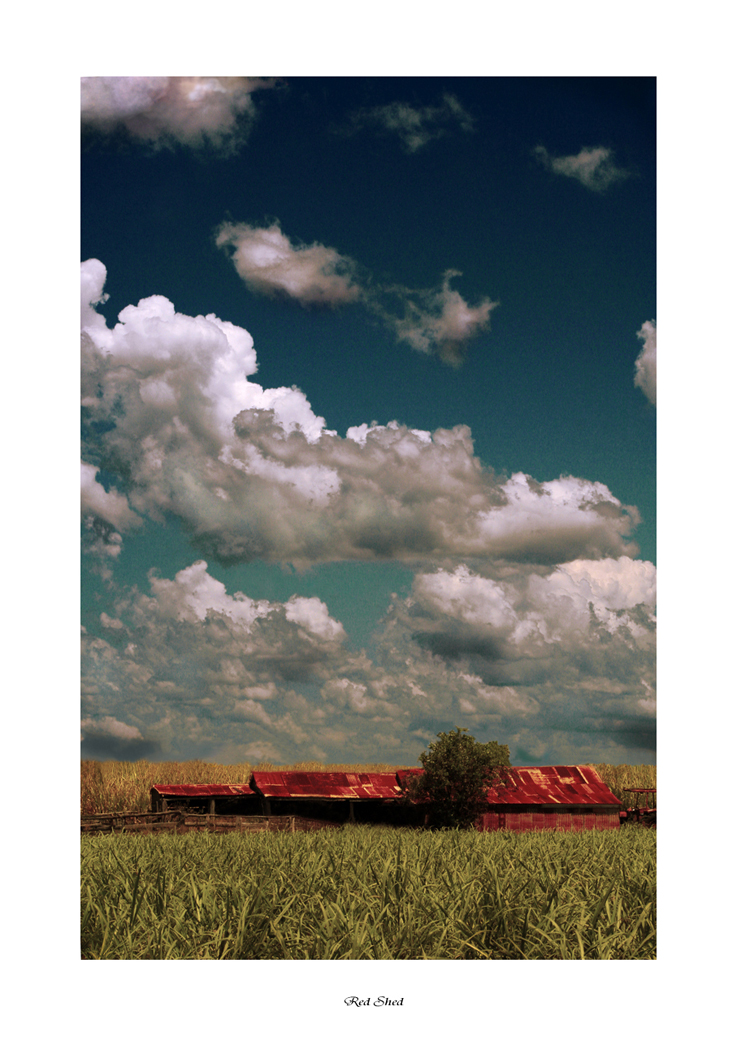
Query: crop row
x=370, y=893
x=114, y=785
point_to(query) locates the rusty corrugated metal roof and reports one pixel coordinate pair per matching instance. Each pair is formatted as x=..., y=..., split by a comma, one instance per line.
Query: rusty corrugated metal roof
x=550, y=786
x=531, y=786
x=326, y=785
x=545, y=786
x=203, y=790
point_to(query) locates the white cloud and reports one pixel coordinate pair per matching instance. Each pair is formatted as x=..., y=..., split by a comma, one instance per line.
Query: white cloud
x=108, y=505
x=592, y=167
x=254, y=473
x=646, y=362
x=415, y=126
x=521, y=615
x=270, y=264
x=312, y=614
x=191, y=110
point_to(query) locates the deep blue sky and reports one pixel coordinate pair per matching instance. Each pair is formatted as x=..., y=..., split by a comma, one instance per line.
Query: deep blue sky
x=546, y=387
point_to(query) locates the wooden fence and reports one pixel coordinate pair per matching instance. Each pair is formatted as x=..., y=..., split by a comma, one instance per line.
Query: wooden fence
x=177, y=821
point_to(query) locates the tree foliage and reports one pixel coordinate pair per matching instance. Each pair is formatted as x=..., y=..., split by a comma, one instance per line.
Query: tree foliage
x=457, y=774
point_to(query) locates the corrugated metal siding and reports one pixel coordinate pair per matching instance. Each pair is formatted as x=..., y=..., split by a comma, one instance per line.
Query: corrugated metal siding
x=532, y=819
x=203, y=790
x=326, y=785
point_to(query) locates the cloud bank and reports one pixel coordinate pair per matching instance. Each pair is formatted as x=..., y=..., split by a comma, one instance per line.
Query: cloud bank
x=434, y=321
x=528, y=614
x=592, y=167
x=167, y=110
x=192, y=671
x=646, y=362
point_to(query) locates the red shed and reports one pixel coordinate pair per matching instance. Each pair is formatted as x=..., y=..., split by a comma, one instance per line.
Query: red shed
x=210, y=799
x=564, y=798
x=326, y=793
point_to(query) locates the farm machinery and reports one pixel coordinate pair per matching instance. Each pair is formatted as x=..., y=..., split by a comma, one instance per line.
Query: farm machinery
x=643, y=812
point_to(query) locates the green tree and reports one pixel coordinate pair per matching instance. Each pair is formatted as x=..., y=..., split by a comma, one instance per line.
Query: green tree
x=457, y=774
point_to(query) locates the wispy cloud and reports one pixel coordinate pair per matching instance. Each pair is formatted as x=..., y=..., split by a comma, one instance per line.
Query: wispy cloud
x=414, y=126
x=592, y=167
x=437, y=321
x=166, y=110
x=646, y=362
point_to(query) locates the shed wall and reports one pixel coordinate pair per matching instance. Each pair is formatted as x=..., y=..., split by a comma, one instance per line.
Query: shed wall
x=531, y=819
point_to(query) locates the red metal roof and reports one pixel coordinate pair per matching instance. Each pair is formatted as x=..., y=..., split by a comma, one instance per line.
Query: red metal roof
x=548, y=786
x=203, y=790
x=532, y=786
x=545, y=786
x=326, y=785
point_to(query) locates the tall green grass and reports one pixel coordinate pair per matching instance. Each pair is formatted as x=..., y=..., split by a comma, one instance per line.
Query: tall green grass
x=618, y=778
x=370, y=893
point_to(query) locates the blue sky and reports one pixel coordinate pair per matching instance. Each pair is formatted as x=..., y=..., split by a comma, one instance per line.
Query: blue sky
x=368, y=417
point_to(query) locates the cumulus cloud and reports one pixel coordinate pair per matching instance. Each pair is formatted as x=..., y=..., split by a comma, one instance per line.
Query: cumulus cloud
x=646, y=362
x=437, y=321
x=592, y=167
x=533, y=656
x=254, y=473
x=415, y=126
x=515, y=625
x=108, y=505
x=270, y=264
x=166, y=110
x=190, y=664
x=528, y=614
x=561, y=653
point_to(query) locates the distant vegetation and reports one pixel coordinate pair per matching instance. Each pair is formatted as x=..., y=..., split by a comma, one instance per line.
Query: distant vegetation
x=639, y=776
x=115, y=785
x=370, y=893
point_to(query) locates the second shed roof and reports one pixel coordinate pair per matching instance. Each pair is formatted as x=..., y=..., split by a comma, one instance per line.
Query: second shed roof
x=203, y=790
x=326, y=785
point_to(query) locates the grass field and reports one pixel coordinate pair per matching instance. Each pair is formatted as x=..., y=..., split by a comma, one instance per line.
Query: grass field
x=370, y=893
x=113, y=785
